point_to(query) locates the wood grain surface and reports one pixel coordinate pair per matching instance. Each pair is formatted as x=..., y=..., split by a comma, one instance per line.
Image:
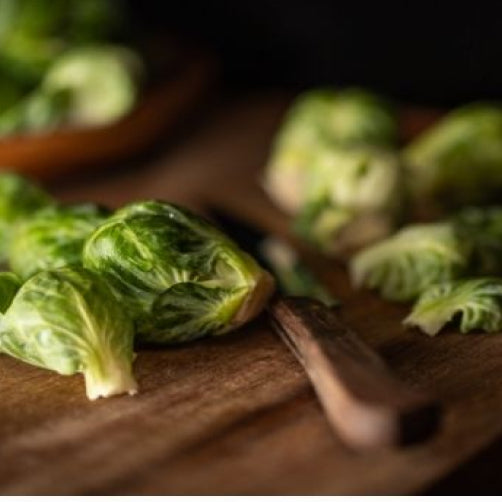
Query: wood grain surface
x=236, y=415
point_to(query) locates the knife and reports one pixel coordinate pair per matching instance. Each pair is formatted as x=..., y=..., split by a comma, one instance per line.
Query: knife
x=364, y=402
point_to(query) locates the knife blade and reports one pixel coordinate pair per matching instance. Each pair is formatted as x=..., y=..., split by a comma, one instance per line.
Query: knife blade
x=364, y=402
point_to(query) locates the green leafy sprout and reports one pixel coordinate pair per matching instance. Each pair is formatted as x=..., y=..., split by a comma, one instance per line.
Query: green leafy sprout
x=332, y=167
x=179, y=277
x=35, y=32
x=353, y=197
x=477, y=303
x=85, y=86
x=69, y=321
x=458, y=161
x=52, y=238
x=19, y=200
x=404, y=265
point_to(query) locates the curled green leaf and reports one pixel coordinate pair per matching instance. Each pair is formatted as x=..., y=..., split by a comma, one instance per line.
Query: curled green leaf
x=68, y=320
x=476, y=303
x=407, y=263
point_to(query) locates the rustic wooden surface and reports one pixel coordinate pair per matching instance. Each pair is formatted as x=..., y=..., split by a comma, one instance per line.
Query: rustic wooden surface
x=236, y=414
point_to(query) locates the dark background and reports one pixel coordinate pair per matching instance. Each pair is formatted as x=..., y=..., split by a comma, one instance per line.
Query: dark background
x=445, y=53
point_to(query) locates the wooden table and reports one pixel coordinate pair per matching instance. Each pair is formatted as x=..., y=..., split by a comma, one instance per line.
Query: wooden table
x=236, y=415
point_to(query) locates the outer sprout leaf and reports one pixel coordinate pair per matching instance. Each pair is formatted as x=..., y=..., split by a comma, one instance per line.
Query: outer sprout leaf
x=68, y=320
x=53, y=238
x=477, y=302
x=406, y=264
x=146, y=248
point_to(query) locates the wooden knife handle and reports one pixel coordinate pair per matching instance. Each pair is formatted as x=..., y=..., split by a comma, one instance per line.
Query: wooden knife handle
x=364, y=402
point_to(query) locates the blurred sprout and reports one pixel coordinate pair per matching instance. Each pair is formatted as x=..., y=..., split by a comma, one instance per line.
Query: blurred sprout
x=88, y=86
x=477, y=303
x=353, y=197
x=482, y=227
x=19, y=199
x=68, y=321
x=323, y=118
x=459, y=160
x=179, y=276
x=331, y=167
x=35, y=32
x=53, y=238
x=407, y=263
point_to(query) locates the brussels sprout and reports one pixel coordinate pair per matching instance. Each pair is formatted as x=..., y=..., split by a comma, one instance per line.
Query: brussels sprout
x=477, y=302
x=9, y=286
x=318, y=118
x=179, y=277
x=87, y=86
x=459, y=160
x=52, y=238
x=102, y=82
x=353, y=197
x=483, y=228
x=19, y=199
x=68, y=320
x=35, y=32
x=407, y=263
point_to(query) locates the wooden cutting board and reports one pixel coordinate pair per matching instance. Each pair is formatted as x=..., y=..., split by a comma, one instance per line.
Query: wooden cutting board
x=236, y=414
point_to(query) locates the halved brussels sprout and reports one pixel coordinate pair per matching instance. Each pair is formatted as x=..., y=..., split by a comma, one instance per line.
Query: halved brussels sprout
x=458, y=160
x=407, y=263
x=476, y=302
x=69, y=321
x=19, y=199
x=53, y=237
x=179, y=277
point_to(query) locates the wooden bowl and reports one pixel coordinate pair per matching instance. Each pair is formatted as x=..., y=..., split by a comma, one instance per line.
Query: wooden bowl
x=47, y=155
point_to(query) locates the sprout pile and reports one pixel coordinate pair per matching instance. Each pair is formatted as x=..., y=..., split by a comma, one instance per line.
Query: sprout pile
x=354, y=193
x=86, y=285
x=60, y=65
